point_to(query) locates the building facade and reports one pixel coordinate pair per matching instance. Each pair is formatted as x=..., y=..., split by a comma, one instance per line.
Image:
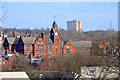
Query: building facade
x=42, y=45
x=74, y=25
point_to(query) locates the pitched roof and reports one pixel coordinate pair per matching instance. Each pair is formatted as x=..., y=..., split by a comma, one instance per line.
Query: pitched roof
x=11, y=40
x=19, y=34
x=28, y=40
x=16, y=75
x=81, y=44
x=16, y=41
x=62, y=43
x=54, y=24
x=48, y=40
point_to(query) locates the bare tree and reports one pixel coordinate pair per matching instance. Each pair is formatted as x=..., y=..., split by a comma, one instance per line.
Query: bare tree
x=3, y=12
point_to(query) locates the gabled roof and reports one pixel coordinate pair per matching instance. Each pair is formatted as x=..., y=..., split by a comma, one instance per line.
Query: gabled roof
x=28, y=40
x=11, y=40
x=62, y=43
x=17, y=39
x=81, y=44
x=48, y=40
x=19, y=34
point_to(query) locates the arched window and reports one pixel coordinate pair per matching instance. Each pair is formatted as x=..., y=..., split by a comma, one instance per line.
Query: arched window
x=68, y=51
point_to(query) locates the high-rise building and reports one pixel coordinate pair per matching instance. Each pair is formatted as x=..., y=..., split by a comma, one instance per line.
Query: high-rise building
x=74, y=25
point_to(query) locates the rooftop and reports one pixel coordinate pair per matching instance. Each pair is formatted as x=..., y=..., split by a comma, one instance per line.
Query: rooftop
x=81, y=44
x=19, y=75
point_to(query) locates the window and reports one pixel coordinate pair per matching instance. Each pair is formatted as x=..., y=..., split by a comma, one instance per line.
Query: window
x=40, y=47
x=68, y=51
x=50, y=55
x=49, y=47
x=28, y=47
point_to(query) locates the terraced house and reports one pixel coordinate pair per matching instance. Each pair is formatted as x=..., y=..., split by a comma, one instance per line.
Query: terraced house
x=44, y=44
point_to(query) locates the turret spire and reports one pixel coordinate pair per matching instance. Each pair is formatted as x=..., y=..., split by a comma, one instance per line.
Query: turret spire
x=54, y=23
x=54, y=18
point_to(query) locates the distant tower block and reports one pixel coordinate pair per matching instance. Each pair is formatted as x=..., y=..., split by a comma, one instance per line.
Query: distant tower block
x=74, y=25
x=79, y=26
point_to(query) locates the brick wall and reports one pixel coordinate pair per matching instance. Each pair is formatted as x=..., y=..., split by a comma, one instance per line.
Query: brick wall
x=26, y=50
x=69, y=46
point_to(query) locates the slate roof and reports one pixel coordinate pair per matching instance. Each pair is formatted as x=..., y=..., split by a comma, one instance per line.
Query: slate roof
x=62, y=43
x=11, y=40
x=54, y=24
x=28, y=40
x=81, y=44
x=16, y=41
x=48, y=40
x=19, y=34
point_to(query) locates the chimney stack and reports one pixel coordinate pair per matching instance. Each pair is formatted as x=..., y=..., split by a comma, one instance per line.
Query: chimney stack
x=14, y=34
x=43, y=36
x=30, y=35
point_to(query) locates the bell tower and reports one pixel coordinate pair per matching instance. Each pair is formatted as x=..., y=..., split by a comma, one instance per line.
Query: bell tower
x=55, y=37
x=54, y=33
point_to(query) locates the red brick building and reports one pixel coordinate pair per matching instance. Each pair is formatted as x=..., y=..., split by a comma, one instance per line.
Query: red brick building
x=68, y=48
x=50, y=45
